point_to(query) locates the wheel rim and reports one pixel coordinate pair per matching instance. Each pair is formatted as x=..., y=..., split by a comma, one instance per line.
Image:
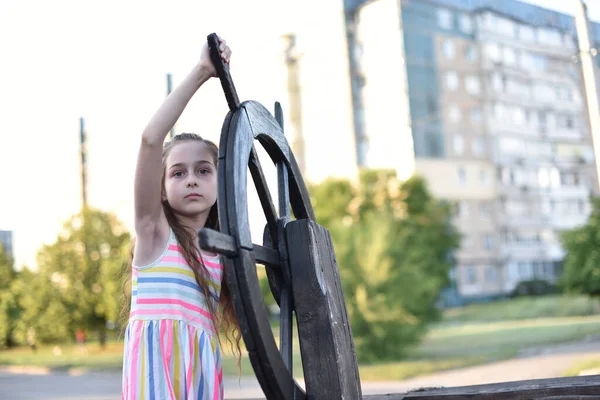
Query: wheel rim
x=237, y=154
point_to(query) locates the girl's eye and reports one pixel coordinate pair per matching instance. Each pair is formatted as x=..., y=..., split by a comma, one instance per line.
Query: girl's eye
x=203, y=171
x=178, y=174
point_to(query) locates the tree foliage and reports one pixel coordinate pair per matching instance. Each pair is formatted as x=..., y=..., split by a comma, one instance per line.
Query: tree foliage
x=77, y=284
x=581, y=264
x=393, y=243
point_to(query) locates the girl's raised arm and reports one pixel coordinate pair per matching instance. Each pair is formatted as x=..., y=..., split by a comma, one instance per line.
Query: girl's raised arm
x=149, y=216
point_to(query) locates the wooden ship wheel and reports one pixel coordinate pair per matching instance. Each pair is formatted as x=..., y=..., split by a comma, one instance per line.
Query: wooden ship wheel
x=296, y=252
x=303, y=275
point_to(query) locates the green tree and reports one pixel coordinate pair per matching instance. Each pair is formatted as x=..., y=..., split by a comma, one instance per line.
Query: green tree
x=43, y=316
x=393, y=243
x=581, y=264
x=7, y=301
x=83, y=271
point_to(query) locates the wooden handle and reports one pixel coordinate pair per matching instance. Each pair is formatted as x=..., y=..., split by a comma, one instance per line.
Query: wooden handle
x=223, y=72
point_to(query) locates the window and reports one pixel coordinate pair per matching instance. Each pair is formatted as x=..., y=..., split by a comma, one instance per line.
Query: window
x=506, y=176
x=470, y=53
x=498, y=82
x=510, y=57
x=569, y=122
x=452, y=274
x=490, y=274
x=541, y=117
x=580, y=206
x=484, y=210
x=448, y=49
x=499, y=111
x=547, y=236
x=518, y=115
x=470, y=275
x=563, y=93
x=504, y=26
x=444, y=18
x=454, y=114
x=466, y=241
x=549, y=37
x=458, y=143
x=466, y=23
x=475, y=115
x=513, y=272
x=546, y=207
x=544, y=92
x=568, y=40
x=539, y=63
x=526, y=33
x=451, y=80
x=524, y=270
x=462, y=175
x=478, y=147
x=472, y=85
x=463, y=208
x=554, y=177
x=526, y=61
x=492, y=51
x=544, y=177
x=488, y=241
x=483, y=177
x=565, y=122
x=508, y=145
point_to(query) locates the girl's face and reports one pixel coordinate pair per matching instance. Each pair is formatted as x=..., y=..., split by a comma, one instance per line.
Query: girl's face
x=190, y=178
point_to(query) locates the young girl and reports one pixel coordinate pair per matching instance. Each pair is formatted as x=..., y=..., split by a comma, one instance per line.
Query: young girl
x=171, y=342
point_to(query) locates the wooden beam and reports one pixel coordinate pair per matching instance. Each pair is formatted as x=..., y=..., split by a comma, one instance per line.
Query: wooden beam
x=570, y=388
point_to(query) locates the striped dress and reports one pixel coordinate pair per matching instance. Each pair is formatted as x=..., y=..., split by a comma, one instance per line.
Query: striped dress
x=171, y=351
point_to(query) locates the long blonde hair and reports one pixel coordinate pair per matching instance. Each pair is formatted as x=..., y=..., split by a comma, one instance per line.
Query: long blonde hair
x=224, y=317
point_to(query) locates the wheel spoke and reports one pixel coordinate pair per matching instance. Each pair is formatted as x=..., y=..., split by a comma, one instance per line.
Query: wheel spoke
x=225, y=245
x=285, y=326
x=283, y=187
x=286, y=304
x=264, y=194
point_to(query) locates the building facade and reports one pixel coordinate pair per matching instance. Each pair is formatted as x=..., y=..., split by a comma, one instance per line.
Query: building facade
x=485, y=99
x=6, y=241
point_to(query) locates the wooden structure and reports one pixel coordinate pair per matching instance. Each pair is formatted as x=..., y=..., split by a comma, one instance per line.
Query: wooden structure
x=303, y=274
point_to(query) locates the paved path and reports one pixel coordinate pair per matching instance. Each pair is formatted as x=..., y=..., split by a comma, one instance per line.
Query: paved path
x=547, y=363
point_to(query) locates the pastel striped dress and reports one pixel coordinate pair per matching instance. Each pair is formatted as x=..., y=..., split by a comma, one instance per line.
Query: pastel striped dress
x=171, y=351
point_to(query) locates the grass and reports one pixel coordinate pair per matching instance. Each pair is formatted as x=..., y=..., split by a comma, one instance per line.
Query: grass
x=400, y=370
x=470, y=336
x=574, y=370
x=474, y=339
x=66, y=357
x=525, y=308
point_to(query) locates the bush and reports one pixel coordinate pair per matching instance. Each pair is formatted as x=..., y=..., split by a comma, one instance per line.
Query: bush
x=534, y=287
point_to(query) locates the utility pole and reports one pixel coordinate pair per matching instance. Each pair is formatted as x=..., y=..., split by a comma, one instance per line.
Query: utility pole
x=587, y=52
x=292, y=59
x=83, y=152
x=169, y=89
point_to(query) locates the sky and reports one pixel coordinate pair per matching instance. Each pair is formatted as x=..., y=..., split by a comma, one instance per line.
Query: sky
x=107, y=62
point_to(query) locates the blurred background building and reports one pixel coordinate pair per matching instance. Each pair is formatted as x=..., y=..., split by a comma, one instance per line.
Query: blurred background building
x=6, y=241
x=484, y=98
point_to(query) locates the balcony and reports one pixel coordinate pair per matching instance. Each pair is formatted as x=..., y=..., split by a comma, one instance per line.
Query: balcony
x=561, y=134
x=499, y=126
x=528, y=221
x=485, y=34
x=566, y=192
x=568, y=221
x=523, y=251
